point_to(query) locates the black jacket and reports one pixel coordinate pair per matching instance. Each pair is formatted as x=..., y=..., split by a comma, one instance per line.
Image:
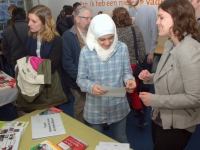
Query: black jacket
x=64, y=24
x=10, y=43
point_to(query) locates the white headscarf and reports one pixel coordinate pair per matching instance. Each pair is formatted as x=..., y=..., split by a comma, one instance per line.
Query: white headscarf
x=101, y=25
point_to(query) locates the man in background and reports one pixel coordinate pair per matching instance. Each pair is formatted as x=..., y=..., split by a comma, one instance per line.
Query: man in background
x=196, y=5
x=10, y=21
x=10, y=42
x=67, y=22
x=73, y=40
x=145, y=18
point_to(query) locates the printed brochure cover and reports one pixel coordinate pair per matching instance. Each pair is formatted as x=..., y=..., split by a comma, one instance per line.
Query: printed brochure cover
x=73, y=143
x=52, y=110
x=46, y=145
x=10, y=134
x=46, y=125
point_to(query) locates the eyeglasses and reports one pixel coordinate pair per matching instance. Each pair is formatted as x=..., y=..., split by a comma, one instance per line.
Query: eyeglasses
x=86, y=18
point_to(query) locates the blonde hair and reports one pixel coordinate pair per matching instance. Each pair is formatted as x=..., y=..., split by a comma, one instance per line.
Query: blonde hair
x=49, y=25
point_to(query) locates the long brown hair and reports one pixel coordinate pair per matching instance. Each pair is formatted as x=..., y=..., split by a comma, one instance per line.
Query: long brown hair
x=45, y=16
x=121, y=17
x=183, y=15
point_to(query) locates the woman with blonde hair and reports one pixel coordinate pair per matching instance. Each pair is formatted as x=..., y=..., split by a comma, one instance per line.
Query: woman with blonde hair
x=44, y=43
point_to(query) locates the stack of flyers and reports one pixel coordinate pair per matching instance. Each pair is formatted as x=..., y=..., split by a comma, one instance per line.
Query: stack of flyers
x=112, y=146
x=10, y=134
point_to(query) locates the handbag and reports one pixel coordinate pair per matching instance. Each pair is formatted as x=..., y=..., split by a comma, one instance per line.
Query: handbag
x=21, y=52
x=139, y=66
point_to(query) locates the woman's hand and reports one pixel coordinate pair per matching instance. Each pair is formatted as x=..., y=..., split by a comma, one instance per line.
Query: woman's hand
x=96, y=90
x=145, y=75
x=130, y=86
x=145, y=97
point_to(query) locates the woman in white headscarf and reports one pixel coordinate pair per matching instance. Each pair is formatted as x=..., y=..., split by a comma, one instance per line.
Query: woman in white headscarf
x=105, y=61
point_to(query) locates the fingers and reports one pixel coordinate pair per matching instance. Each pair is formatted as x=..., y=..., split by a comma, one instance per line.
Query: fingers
x=130, y=86
x=144, y=75
x=96, y=90
x=99, y=92
x=145, y=97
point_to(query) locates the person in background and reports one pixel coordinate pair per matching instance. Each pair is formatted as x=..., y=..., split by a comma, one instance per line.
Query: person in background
x=75, y=5
x=100, y=12
x=44, y=43
x=176, y=102
x=145, y=18
x=10, y=42
x=196, y=5
x=105, y=61
x=62, y=14
x=73, y=40
x=123, y=23
x=10, y=21
x=67, y=22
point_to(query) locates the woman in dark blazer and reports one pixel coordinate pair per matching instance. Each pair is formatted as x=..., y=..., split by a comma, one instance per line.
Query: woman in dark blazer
x=176, y=102
x=44, y=42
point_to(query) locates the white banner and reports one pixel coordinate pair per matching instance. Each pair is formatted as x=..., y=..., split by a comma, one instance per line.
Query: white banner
x=95, y=5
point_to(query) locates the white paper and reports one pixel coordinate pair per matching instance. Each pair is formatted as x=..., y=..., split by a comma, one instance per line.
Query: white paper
x=46, y=126
x=113, y=146
x=113, y=91
x=100, y=148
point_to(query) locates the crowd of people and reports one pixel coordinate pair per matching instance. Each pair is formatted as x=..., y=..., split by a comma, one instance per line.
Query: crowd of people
x=79, y=53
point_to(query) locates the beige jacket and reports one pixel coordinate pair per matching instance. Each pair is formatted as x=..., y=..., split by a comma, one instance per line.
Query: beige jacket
x=177, y=85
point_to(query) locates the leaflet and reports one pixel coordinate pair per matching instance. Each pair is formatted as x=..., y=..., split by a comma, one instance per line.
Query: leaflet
x=113, y=91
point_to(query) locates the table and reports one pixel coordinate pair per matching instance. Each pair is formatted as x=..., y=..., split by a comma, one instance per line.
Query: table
x=72, y=126
x=159, y=50
x=8, y=90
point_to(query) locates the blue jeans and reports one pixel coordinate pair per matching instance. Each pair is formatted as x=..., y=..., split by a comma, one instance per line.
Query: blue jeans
x=118, y=128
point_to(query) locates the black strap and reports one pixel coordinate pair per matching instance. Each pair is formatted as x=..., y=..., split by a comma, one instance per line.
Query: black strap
x=135, y=43
x=22, y=43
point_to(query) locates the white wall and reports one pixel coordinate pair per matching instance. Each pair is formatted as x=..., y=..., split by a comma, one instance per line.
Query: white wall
x=96, y=5
x=43, y=2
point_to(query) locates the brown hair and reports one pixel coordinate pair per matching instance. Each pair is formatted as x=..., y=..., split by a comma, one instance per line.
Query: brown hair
x=121, y=17
x=49, y=26
x=11, y=7
x=183, y=15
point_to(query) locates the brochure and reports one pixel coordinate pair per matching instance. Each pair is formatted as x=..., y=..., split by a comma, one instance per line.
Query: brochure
x=44, y=126
x=10, y=134
x=46, y=145
x=73, y=143
x=52, y=110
